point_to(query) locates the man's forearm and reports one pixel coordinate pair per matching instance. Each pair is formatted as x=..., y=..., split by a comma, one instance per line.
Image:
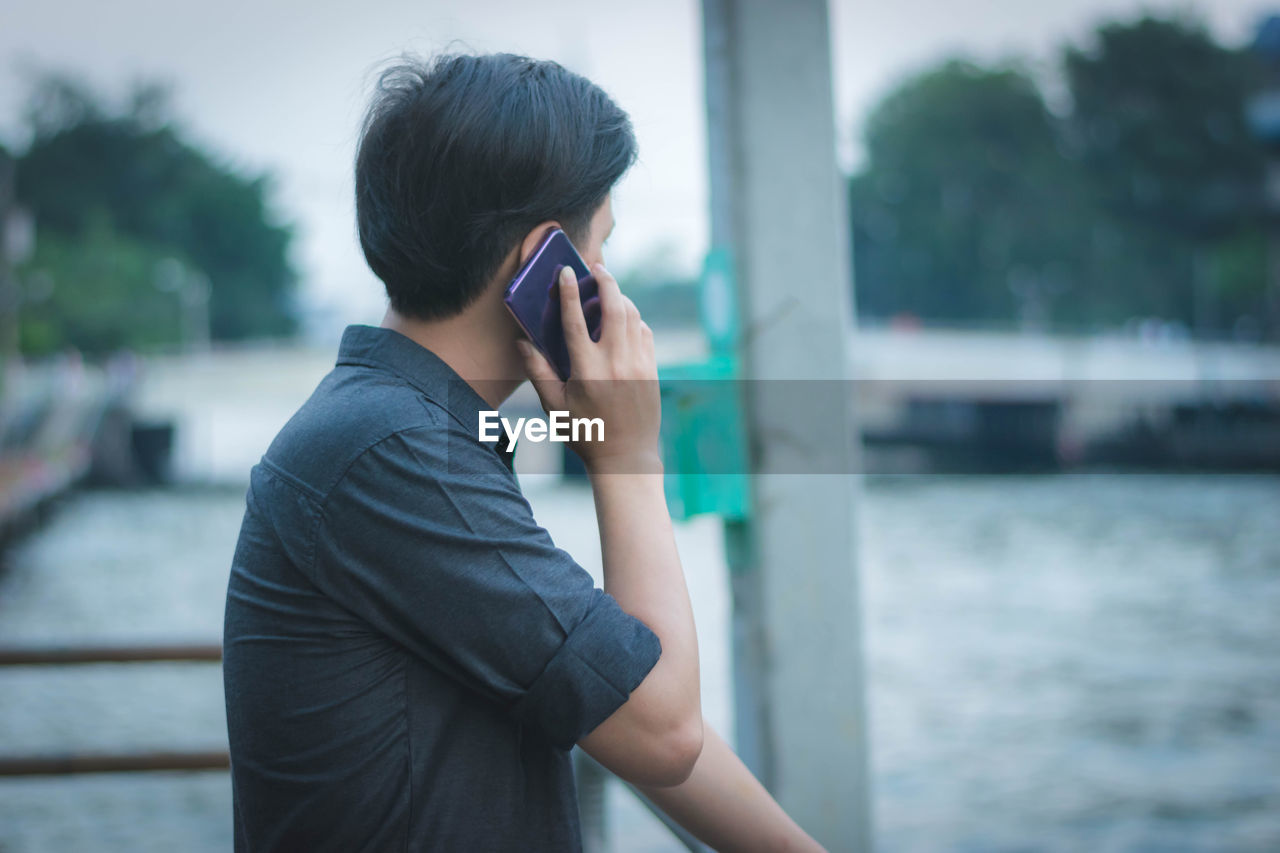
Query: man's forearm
x=726, y=807
x=642, y=570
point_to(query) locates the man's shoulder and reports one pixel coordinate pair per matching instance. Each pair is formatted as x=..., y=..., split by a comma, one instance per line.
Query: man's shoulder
x=352, y=410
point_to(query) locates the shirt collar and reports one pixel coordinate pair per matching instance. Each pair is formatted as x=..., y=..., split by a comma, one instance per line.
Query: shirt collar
x=420, y=367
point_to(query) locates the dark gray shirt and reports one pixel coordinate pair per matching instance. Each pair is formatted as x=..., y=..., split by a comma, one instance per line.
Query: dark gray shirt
x=408, y=657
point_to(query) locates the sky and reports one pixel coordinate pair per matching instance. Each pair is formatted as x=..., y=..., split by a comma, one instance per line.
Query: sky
x=280, y=86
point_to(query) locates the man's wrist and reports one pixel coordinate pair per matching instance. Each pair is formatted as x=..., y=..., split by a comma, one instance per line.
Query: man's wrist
x=641, y=462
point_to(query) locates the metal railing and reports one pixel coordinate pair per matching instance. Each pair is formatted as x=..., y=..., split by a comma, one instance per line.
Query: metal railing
x=72, y=764
x=592, y=777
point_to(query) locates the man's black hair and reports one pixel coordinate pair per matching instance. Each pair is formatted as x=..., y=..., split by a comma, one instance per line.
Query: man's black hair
x=461, y=155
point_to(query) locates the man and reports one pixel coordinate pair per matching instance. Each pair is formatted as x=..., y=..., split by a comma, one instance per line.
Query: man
x=408, y=658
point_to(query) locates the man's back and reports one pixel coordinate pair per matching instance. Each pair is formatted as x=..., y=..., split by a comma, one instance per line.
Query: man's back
x=407, y=656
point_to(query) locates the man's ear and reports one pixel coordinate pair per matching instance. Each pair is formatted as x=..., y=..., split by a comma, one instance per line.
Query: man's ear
x=533, y=238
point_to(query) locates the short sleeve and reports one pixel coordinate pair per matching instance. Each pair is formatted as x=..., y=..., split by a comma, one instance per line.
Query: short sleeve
x=428, y=538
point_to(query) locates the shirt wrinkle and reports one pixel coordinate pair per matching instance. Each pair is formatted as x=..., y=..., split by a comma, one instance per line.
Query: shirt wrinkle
x=506, y=561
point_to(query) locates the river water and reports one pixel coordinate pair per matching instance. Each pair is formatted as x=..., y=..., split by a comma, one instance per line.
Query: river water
x=1081, y=662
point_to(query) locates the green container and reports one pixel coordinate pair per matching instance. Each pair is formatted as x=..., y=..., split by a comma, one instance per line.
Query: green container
x=703, y=444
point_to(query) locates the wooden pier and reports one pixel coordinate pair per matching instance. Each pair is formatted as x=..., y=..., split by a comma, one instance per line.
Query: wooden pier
x=62, y=421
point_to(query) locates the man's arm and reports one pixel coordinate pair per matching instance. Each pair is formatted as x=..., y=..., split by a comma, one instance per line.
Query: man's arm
x=655, y=736
x=726, y=807
x=642, y=571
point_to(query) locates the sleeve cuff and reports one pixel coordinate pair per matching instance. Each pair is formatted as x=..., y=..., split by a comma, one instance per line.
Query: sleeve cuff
x=591, y=675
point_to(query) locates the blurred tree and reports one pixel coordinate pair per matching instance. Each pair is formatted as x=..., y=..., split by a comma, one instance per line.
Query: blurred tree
x=8, y=291
x=977, y=204
x=95, y=292
x=966, y=210
x=128, y=185
x=1158, y=118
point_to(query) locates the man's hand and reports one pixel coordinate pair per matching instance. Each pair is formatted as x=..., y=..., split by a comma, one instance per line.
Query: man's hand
x=655, y=737
x=614, y=379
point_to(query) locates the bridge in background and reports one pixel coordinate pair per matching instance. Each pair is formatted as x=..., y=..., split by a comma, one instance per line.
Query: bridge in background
x=1043, y=401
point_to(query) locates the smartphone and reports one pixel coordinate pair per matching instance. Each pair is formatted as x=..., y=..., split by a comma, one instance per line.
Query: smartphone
x=533, y=297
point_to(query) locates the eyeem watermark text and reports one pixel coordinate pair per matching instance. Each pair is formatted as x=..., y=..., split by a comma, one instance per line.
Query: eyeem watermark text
x=558, y=426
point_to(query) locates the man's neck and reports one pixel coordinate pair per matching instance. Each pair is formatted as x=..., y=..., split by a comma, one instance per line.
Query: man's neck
x=477, y=344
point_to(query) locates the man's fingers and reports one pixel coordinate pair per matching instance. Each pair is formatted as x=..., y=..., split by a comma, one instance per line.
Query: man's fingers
x=613, y=308
x=591, y=310
x=633, y=319
x=633, y=313
x=572, y=319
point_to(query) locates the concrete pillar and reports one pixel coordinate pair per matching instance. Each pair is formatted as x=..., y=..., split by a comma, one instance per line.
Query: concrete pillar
x=778, y=205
